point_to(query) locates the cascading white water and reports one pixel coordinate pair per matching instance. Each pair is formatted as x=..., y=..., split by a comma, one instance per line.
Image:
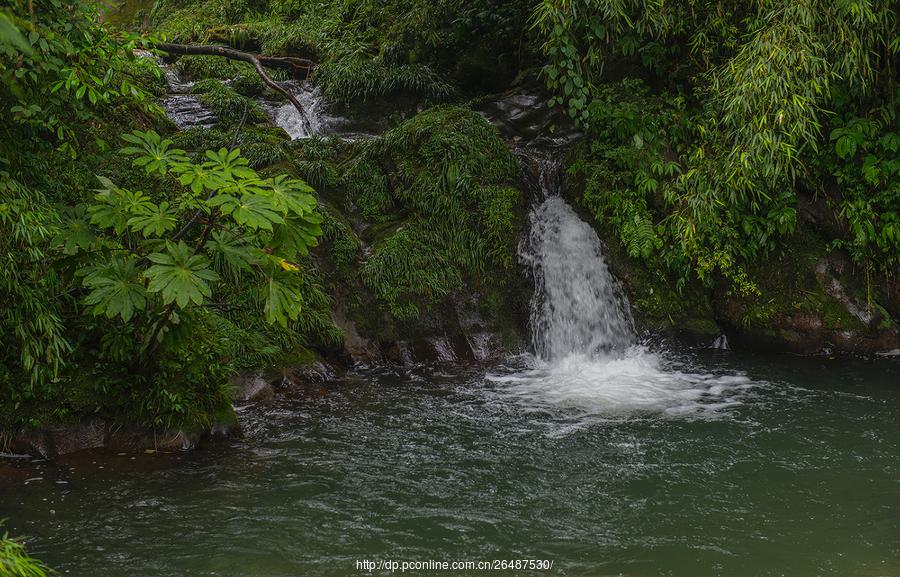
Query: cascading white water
x=318, y=119
x=186, y=110
x=182, y=107
x=577, y=307
x=586, y=354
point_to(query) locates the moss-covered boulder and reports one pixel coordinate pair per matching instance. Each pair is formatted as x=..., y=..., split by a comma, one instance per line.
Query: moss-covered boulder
x=802, y=297
x=809, y=300
x=419, y=220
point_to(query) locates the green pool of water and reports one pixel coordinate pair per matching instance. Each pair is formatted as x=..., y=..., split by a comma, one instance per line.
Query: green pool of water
x=718, y=464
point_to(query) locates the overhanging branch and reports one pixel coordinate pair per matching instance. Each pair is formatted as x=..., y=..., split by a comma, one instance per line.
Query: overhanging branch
x=299, y=67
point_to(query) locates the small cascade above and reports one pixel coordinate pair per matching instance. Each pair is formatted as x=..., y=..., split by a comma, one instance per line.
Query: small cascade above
x=320, y=122
x=527, y=118
x=185, y=110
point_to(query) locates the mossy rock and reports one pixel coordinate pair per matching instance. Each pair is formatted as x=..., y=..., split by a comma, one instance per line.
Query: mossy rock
x=226, y=103
x=200, y=67
x=805, y=306
x=248, y=83
x=416, y=218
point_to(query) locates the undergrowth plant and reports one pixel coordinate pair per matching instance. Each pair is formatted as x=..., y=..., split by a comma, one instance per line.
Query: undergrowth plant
x=15, y=561
x=443, y=187
x=150, y=261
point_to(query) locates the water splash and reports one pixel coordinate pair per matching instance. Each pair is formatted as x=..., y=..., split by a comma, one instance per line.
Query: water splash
x=635, y=380
x=577, y=307
x=586, y=354
x=315, y=107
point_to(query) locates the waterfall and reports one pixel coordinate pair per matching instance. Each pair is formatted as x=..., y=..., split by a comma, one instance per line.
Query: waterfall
x=320, y=121
x=586, y=354
x=183, y=108
x=577, y=308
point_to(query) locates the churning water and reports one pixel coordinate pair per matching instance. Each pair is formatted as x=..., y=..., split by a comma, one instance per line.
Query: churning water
x=586, y=351
x=413, y=464
x=318, y=119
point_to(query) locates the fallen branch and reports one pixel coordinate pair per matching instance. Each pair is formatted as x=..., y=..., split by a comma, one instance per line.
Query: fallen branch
x=259, y=62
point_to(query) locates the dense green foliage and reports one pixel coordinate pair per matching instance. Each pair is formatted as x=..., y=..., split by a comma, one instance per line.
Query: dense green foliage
x=751, y=104
x=433, y=207
x=136, y=294
x=451, y=176
x=15, y=561
x=718, y=137
x=366, y=49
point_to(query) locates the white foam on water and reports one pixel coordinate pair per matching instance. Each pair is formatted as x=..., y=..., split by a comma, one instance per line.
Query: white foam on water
x=288, y=118
x=636, y=380
x=585, y=354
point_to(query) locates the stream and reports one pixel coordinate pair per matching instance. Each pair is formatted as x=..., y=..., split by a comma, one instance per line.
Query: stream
x=754, y=466
x=599, y=451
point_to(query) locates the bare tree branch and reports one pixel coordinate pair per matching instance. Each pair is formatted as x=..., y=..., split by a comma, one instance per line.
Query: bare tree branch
x=299, y=67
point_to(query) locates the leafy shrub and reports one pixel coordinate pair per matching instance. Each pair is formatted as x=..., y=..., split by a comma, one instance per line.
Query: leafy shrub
x=355, y=78
x=756, y=87
x=15, y=561
x=446, y=179
x=865, y=160
x=226, y=103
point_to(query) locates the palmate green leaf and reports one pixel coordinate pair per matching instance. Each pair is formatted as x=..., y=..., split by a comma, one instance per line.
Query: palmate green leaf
x=109, y=214
x=290, y=195
x=154, y=220
x=295, y=237
x=76, y=232
x=116, y=205
x=180, y=276
x=242, y=186
x=229, y=164
x=199, y=177
x=153, y=152
x=284, y=301
x=117, y=289
x=252, y=210
x=231, y=252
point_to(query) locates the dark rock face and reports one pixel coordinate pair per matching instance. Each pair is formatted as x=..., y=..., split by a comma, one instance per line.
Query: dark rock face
x=526, y=119
x=252, y=389
x=58, y=440
x=822, y=311
x=472, y=347
x=457, y=333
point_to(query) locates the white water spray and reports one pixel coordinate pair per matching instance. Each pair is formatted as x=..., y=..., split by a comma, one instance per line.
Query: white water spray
x=576, y=308
x=586, y=355
x=310, y=97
